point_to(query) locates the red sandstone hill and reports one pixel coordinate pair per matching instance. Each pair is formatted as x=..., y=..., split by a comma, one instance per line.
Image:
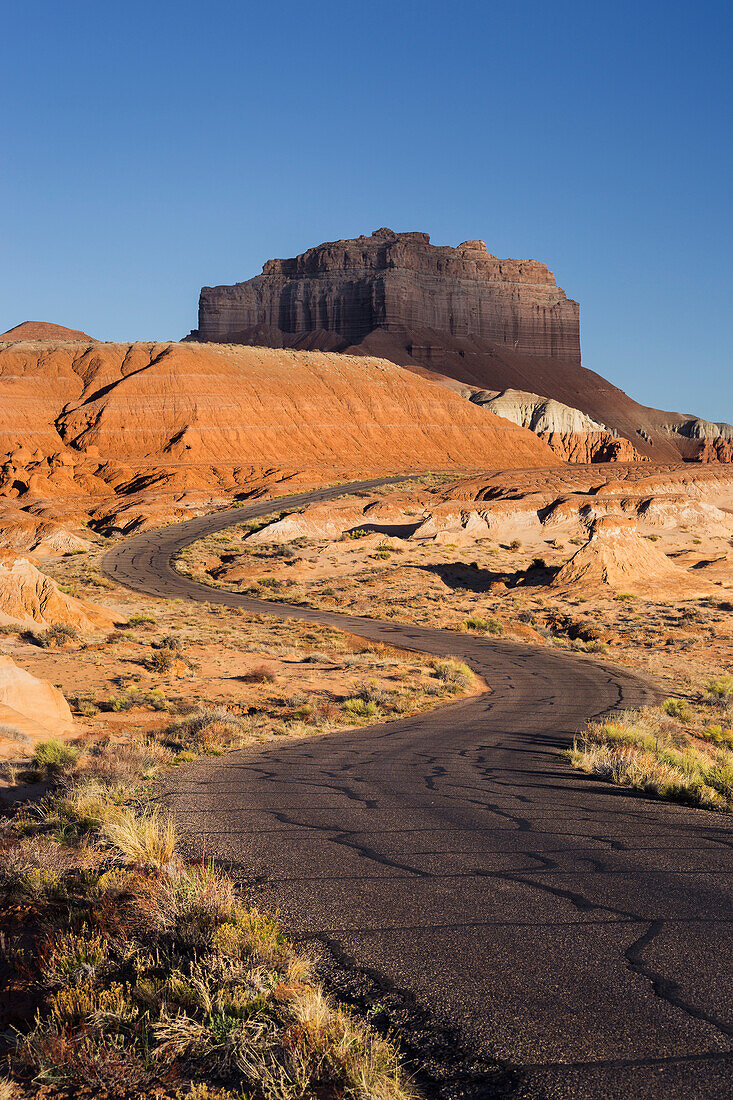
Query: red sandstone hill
x=215, y=406
x=455, y=314
x=43, y=330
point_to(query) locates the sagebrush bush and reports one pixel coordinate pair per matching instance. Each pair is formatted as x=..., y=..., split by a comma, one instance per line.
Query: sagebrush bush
x=359, y=708
x=52, y=756
x=455, y=674
x=56, y=636
x=491, y=625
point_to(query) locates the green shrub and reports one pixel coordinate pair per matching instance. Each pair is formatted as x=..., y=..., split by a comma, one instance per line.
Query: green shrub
x=485, y=626
x=720, y=689
x=53, y=756
x=358, y=708
x=677, y=708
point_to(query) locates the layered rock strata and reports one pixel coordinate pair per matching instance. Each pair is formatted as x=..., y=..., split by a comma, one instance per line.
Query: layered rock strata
x=460, y=316
x=573, y=435
x=399, y=280
x=84, y=417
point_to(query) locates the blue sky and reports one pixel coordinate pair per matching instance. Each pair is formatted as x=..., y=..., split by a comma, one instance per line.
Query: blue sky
x=151, y=148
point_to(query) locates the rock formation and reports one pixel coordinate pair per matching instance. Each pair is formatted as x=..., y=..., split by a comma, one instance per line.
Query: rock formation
x=458, y=315
x=616, y=558
x=31, y=706
x=572, y=434
x=119, y=417
x=43, y=330
x=30, y=598
x=393, y=280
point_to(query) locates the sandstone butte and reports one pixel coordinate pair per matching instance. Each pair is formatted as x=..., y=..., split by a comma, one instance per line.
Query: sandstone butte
x=457, y=314
x=84, y=416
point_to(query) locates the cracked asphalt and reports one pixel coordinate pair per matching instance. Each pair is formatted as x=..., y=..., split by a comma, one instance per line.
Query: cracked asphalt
x=548, y=935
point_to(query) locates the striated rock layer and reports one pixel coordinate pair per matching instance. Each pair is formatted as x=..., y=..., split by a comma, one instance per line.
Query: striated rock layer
x=395, y=280
x=572, y=435
x=29, y=597
x=616, y=557
x=88, y=416
x=457, y=315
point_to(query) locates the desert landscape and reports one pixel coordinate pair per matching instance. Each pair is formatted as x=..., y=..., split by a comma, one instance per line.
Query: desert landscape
x=365, y=605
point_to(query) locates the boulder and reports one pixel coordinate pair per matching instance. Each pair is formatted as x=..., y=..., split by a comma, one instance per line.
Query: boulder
x=32, y=706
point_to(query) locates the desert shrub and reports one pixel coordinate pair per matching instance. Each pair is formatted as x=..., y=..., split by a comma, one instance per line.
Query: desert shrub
x=260, y=674
x=163, y=660
x=85, y=707
x=718, y=736
x=141, y=620
x=677, y=708
x=455, y=675
x=357, y=533
x=646, y=751
x=145, y=840
x=206, y=730
x=373, y=693
x=134, y=697
x=168, y=641
x=515, y=544
x=358, y=708
x=719, y=689
x=269, y=582
x=56, y=636
x=52, y=756
x=484, y=626
x=119, y=762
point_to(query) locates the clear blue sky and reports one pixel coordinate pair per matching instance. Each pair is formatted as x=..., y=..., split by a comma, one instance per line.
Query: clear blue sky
x=151, y=148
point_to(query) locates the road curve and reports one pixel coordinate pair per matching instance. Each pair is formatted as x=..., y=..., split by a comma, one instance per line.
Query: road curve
x=533, y=932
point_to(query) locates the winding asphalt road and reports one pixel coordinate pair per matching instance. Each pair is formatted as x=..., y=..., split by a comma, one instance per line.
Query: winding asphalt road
x=530, y=931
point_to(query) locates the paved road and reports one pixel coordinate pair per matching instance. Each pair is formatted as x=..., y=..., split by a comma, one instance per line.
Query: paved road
x=504, y=910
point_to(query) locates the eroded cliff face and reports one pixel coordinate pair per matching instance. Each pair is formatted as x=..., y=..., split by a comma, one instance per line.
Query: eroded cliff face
x=398, y=281
x=458, y=316
x=570, y=433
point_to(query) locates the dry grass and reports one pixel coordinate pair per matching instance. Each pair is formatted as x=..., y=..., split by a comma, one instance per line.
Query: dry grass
x=146, y=840
x=673, y=751
x=144, y=969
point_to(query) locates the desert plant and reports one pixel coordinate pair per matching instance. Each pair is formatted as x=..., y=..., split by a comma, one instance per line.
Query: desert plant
x=140, y=619
x=56, y=637
x=144, y=840
x=358, y=708
x=455, y=674
x=260, y=674
x=52, y=756
x=719, y=689
x=485, y=626
x=677, y=708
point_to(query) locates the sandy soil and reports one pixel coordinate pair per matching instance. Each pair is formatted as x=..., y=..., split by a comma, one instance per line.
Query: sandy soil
x=499, y=585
